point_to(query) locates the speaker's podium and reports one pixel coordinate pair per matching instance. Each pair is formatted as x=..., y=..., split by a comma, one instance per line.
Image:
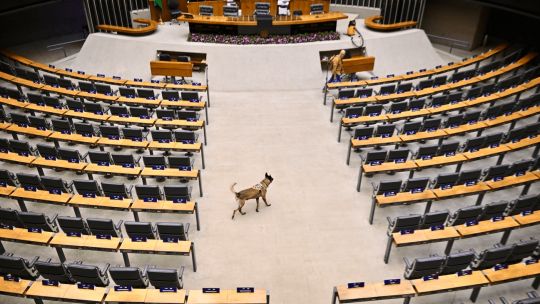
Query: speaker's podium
x=259, y=18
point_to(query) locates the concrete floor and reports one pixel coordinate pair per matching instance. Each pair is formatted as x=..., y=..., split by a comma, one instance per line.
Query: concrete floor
x=314, y=236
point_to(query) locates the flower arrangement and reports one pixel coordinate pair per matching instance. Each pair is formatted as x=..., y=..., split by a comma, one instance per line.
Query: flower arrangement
x=272, y=39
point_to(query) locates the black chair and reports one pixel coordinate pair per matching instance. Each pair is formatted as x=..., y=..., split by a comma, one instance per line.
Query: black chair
x=431, y=124
x=364, y=93
x=10, y=218
x=519, y=167
x=121, y=111
x=496, y=173
x=493, y=209
x=134, y=134
x=94, y=107
x=427, y=152
x=410, y=128
x=190, y=96
x=384, y=131
x=491, y=257
x=465, y=215
x=404, y=87
x=140, y=112
x=30, y=182
x=398, y=107
x=374, y=158
x=73, y=225
x=62, y=126
x=187, y=115
x=146, y=93
x=18, y=267
x=230, y=11
x=434, y=219
x=54, y=272
x=388, y=188
x=174, y=231
x=345, y=94
x=87, y=188
x=440, y=100
x=454, y=97
x=116, y=191
x=38, y=220
x=35, y=99
x=7, y=178
x=75, y=105
x=104, y=89
x=398, y=156
x=170, y=95
x=104, y=227
x=154, y=162
x=20, y=120
x=416, y=185
x=445, y=180
x=522, y=250
x=55, y=185
x=110, y=132
x=66, y=84
x=422, y=267
x=125, y=160
x=84, y=129
x=469, y=177
x=127, y=92
x=521, y=204
x=100, y=158
x=439, y=81
x=148, y=193
x=404, y=223
x=13, y=94
x=387, y=89
x=473, y=93
x=53, y=102
x=354, y=112
x=177, y=193
x=363, y=133
x=454, y=121
x=21, y=147
x=163, y=278
x=87, y=87
x=129, y=276
x=89, y=274
x=162, y=136
x=428, y=83
x=51, y=80
x=180, y=162
x=39, y=123
x=417, y=104
x=140, y=230
x=187, y=137
x=373, y=110
x=493, y=140
x=166, y=114
x=456, y=262
x=474, y=144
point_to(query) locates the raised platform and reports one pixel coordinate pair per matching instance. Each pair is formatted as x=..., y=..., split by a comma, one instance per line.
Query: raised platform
x=254, y=67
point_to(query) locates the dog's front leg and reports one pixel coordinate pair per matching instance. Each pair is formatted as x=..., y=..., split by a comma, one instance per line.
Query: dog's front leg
x=264, y=199
x=257, y=199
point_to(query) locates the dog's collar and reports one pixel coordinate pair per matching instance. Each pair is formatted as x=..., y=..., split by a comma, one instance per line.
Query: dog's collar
x=260, y=186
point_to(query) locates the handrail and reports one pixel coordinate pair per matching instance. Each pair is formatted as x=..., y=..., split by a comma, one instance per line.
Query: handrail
x=373, y=24
x=151, y=26
x=453, y=42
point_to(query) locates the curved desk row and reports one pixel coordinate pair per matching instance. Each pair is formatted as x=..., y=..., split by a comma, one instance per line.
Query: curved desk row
x=373, y=23
x=407, y=289
x=441, y=134
x=99, y=78
x=434, y=90
x=451, y=233
x=60, y=241
x=41, y=163
x=77, y=201
x=422, y=73
x=72, y=293
x=151, y=26
x=429, y=111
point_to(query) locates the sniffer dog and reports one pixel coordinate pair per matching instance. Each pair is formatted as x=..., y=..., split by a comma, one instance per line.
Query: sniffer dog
x=255, y=192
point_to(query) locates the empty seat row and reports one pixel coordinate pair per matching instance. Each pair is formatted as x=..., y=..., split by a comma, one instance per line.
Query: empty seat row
x=466, y=215
x=449, y=180
x=77, y=272
x=453, y=263
x=91, y=188
x=93, y=226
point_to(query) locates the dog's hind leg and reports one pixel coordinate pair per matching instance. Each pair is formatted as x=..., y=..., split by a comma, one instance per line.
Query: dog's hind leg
x=257, y=199
x=264, y=199
x=241, y=205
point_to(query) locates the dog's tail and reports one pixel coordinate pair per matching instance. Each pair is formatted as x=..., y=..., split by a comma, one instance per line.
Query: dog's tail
x=232, y=188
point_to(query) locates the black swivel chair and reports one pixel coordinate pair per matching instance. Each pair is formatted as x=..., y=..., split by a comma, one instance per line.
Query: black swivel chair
x=422, y=267
x=18, y=267
x=39, y=220
x=87, y=188
x=523, y=203
x=100, y=226
x=140, y=229
x=54, y=271
x=491, y=257
x=404, y=223
x=148, y=193
x=177, y=193
x=522, y=250
x=176, y=231
x=162, y=277
x=73, y=225
x=436, y=218
x=129, y=276
x=464, y=215
x=456, y=262
x=10, y=217
x=89, y=274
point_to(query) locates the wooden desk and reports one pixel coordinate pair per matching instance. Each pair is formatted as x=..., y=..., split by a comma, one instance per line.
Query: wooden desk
x=184, y=248
x=405, y=198
x=15, y=158
x=160, y=206
x=527, y=220
x=138, y=101
x=488, y=226
x=358, y=64
x=259, y=296
x=171, y=68
x=86, y=242
x=41, y=196
x=7, y=190
x=513, y=181
x=101, y=202
x=66, y=293
x=461, y=190
x=58, y=164
x=73, y=137
x=389, y=166
x=155, y=296
x=424, y=236
x=449, y=283
x=21, y=235
x=122, y=143
x=519, y=271
x=145, y=122
x=28, y=131
x=373, y=291
x=92, y=168
x=12, y=288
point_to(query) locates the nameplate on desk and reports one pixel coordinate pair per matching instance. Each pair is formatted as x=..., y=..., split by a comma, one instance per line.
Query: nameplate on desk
x=426, y=157
x=4, y=150
x=49, y=283
x=210, y=290
x=375, y=163
x=470, y=183
x=521, y=173
x=150, y=199
x=390, y=75
x=437, y=227
x=449, y=154
x=122, y=288
x=34, y=230
x=89, y=195
x=471, y=223
x=158, y=167
x=446, y=187
x=498, y=178
x=170, y=240
x=138, y=239
x=136, y=139
x=50, y=157
x=392, y=282
x=12, y=278
x=85, y=286
x=103, y=164
x=164, y=141
x=124, y=115
x=526, y=212
x=3, y=184
x=167, y=118
x=116, y=197
x=245, y=289
x=353, y=115
x=137, y=79
x=168, y=289
x=389, y=193
x=3, y=226
x=103, y=236
x=422, y=70
x=188, y=141
x=112, y=137
x=128, y=165
x=179, y=200
x=55, y=191
x=23, y=154
x=73, y=160
x=500, y=267
x=73, y=234
x=52, y=66
x=154, y=81
x=69, y=70
x=80, y=72
x=399, y=161
x=497, y=218
x=410, y=132
x=191, y=119
x=356, y=285
x=531, y=261
x=417, y=190
x=30, y=188
x=406, y=231
x=464, y=273
x=144, y=117
x=116, y=77
x=430, y=277
x=184, y=168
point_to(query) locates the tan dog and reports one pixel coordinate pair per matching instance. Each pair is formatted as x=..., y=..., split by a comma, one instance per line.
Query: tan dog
x=254, y=192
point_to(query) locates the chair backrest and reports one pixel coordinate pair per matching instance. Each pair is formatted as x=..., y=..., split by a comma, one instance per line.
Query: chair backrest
x=423, y=267
x=436, y=218
x=87, y=86
x=522, y=250
x=404, y=87
x=10, y=217
x=162, y=277
x=103, y=89
x=127, y=92
x=418, y=184
x=230, y=11
x=47, y=151
x=398, y=107
x=411, y=127
x=163, y=136
x=523, y=203
x=55, y=272
x=354, y=112
x=29, y=181
x=363, y=133
x=185, y=136
x=398, y=156
x=385, y=130
x=100, y=226
x=496, y=172
x=148, y=192
x=20, y=147
x=456, y=262
x=492, y=210
x=19, y=119
x=54, y=185
x=464, y=215
x=17, y=267
x=38, y=123
x=140, y=229
x=84, y=129
x=124, y=160
x=114, y=190
x=180, y=162
x=448, y=148
x=88, y=274
x=187, y=115
x=389, y=188
x=177, y=193
x=100, y=157
x=69, y=155
x=431, y=124
x=171, y=230
x=153, y=161
x=128, y=276
x=52, y=101
x=73, y=225
x=375, y=157
x=373, y=110
x=520, y=167
x=405, y=222
x=87, y=187
x=417, y=104
x=133, y=133
x=387, y=89
x=119, y=110
x=7, y=178
x=427, y=152
x=111, y=132
x=146, y=93
x=170, y=95
x=469, y=177
x=140, y=112
x=446, y=180
x=38, y=220
x=454, y=121
x=194, y=96
x=491, y=257
x=344, y=94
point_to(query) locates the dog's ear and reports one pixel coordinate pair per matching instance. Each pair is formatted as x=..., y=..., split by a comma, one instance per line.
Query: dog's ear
x=266, y=174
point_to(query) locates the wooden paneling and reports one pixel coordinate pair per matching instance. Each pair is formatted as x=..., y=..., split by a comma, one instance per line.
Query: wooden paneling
x=171, y=68
x=358, y=64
